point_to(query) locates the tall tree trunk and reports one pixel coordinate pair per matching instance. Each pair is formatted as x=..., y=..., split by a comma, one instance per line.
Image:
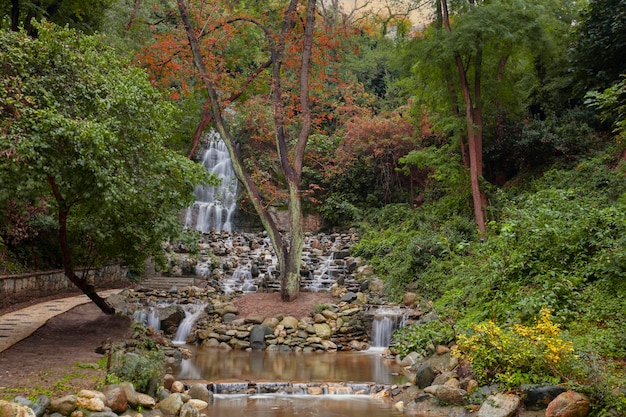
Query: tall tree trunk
x=66, y=254
x=474, y=130
x=288, y=252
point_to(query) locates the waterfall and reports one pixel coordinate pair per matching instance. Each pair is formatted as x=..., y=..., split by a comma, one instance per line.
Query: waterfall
x=153, y=319
x=386, y=321
x=192, y=313
x=215, y=206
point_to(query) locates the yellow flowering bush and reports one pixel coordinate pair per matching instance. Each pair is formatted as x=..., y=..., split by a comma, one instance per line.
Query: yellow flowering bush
x=518, y=354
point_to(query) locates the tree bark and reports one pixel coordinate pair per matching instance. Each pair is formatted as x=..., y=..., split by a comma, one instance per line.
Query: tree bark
x=474, y=127
x=66, y=254
x=288, y=252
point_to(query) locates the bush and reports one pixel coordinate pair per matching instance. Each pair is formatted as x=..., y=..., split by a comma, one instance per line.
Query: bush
x=518, y=354
x=422, y=337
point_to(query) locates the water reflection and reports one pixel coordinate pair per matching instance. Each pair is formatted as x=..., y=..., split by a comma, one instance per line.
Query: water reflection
x=215, y=364
x=300, y=406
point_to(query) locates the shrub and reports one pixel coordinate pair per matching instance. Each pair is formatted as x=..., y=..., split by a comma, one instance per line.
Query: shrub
x=422, y=337
x=517, y=354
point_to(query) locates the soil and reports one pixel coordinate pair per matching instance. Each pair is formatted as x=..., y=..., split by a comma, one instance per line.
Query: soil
x=60, y=357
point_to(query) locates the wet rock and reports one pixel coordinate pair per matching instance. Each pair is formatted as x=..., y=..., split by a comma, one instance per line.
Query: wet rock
x=538, y=398
x=198, y=404
x=569, y=404
x=188, y=410
x=200, y=392
x=500, y=405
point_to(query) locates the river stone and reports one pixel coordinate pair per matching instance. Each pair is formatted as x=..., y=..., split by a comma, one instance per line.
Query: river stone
x=63, y=405
x=329, y=314
x=538, y=398
x=106, y=413
x=424, y=376
x=271, y=322
x=428, y=406
x=319, y=318
x=212, y=343
x=87, y=393
x=322, y=330
x=257, y=336
x=168, y=380
x=12, y=409
x=569, y=404
x=289, y=322
x=188, y=410
x=145, y=401
x=90, y=404
x=200, y=392
x=229, y=317
x=171, y=405
x=38, y=406
x=131, y=394
x=178, y=386
x=348, y=297
x=329, y=346
x=446, y=394
x=115, y=398
x=254, y=319
x=500, y=405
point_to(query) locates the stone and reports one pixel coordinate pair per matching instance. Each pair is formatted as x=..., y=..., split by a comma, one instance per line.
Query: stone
x=569, y=404
x=376, y=285
x=448, y=395
x=399, y=406
x=443, y=363
x=314, y=390
x=254, y=319
x=145, y=401
x=289, y=322
x=442, y=349
x=538, y=398
x=178, y=386
x=105, y=413
x=428, y=406
x=424, y=376
x=131, y=394
x=442, y=378
x=188, y=410
x=171, y=405
x=411, y=359
x=322, y=330
x=115, y=399
x=200, y=392
x=90, y=404
x=500, y=405
x=348, y=297
x=329, y=314
x=319, y=318
x=63, y=405
x=198, y=404
x=409, y=299
x=329, y=346
x=168, y=380
x=12, y=409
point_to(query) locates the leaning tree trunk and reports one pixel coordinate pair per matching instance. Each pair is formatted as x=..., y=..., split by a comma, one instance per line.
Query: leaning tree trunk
x=86, y=287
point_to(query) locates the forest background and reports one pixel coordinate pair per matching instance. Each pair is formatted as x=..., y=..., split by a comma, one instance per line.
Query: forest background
x=479, y=151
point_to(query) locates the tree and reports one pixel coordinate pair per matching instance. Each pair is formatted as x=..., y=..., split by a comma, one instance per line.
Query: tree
x=83, y=134
x=292, y=37
x=85, y=15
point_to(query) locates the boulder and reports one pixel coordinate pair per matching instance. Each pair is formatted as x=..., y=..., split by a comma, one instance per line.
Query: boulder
x=63, y=405
x=538, y=398
x=424, y=376
x=171, y=405
x=500, y=405
x=115, y=398
x=322, y=330
x=12, y=409
x=200, y=392
x=447, y=394
x=569, y=404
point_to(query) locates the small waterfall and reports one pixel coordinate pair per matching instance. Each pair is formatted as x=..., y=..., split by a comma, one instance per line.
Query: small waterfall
x=386, y=321
x=154, y=320
x=192, y=313
x=215, y=206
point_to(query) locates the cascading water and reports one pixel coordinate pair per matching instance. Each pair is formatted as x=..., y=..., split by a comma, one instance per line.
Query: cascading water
x=192, y=313
x=386, y=321
x=215, y=206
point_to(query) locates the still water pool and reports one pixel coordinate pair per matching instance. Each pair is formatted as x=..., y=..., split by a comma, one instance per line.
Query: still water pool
x=274, y=384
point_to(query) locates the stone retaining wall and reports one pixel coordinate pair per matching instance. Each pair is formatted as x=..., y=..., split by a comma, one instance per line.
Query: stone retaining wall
x=23, y=287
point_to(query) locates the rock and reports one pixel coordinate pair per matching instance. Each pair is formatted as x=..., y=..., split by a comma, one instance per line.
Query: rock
x=105, y=413
x=322, y=330
x=198, y=404
x=314, y=390
x=441, y=349
x=329, y=346
x=443, y=363
x=329, y=314
x=168, y=380
x=289, y=322
x=411, y=359
x=447, y=395
x=257, y=336
x=569, y=404
x=177, y=386
x=348, y=297
x=319, y=318
x=500, y=405
x=115, y=399
x=444, y=377
x=538, y=398
x=12, y=409
x=38, y=406
x=424, y=376
x=145, y=401
x=254, y=319
x=428, y=406
x=90, y=404
x=399, y=406
x=132, y=396
x=188, y=410
x=376, y=285
x=171, y=405
x=409, y=299
x=200, y=392
x=63, y=405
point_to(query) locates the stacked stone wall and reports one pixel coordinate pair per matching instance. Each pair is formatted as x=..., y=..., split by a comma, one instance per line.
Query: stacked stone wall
x=25, y=287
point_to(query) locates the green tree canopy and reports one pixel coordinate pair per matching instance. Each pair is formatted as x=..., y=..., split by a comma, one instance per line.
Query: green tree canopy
x=83, y=134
